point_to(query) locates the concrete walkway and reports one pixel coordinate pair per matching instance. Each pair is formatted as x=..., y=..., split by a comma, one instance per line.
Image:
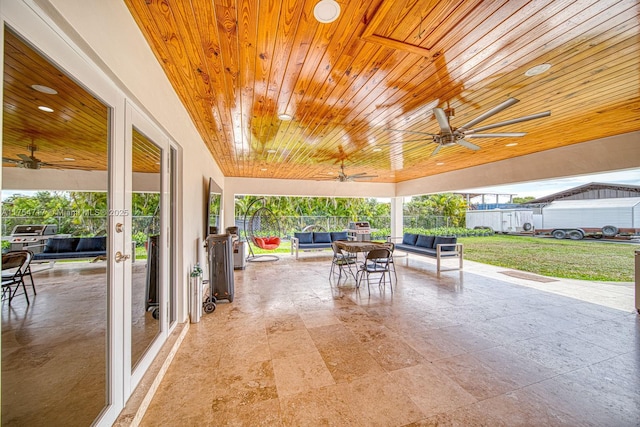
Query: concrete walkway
x=618, y=295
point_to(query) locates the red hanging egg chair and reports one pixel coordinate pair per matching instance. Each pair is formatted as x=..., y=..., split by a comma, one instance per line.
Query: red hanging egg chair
x=262, y=229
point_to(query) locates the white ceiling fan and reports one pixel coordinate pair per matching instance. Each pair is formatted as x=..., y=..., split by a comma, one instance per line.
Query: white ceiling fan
x=450, y=136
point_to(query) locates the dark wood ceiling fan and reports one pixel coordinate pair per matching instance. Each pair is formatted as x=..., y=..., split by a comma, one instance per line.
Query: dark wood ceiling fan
x=31, y=162
x=343, y=177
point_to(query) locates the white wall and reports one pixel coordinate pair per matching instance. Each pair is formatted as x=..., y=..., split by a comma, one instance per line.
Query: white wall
x=603, y=155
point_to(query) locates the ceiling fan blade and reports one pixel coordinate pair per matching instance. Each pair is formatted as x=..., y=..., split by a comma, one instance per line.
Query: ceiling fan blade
x=434, y=152
x=467, y=144
x=495, y=110
x=413, y=131
x=63, y=167
x=512, y=121
x=362, y=175
x=442, y=119
x=8, y=160
x=495, y=135
x=25, y=158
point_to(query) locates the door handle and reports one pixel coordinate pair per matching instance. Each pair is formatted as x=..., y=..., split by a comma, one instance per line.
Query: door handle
x=119, y=257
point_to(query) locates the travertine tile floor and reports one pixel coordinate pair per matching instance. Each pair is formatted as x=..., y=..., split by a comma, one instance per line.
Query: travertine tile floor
x=462, y=348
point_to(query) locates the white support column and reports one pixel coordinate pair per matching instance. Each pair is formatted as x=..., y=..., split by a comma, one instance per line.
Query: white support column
x=228, y=208
x=397, y=216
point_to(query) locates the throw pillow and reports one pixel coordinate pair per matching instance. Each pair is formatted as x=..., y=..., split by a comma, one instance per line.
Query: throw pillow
x=409, y=239
x=442, y=240
x=306, y=237
x=321, y=237
x=425, y=241
x=59, y=245
x=92, y=244
x=339, y=235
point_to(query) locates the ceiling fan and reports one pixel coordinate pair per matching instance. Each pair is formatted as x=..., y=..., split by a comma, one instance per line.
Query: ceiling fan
x=343, y=177
x=31, y=162
x=450, y=136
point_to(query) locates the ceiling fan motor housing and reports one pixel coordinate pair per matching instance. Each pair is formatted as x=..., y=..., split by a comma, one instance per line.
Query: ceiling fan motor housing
x=449, y=139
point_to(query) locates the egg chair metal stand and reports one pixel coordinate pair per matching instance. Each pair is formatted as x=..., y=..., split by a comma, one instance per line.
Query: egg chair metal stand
x=262, y=230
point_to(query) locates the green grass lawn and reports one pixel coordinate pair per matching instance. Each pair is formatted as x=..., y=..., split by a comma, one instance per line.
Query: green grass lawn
x=584, y=260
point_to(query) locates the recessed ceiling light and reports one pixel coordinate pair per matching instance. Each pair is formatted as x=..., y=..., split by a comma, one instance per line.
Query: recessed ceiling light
x=44, y=89
x=439, y=163
x=326, y=11
x=69, y=159
x=511, y=144
x=285, y=117
x=377, y=149
x=271, y=151
x=538, y=69
x=263, y=169
x=47, y=109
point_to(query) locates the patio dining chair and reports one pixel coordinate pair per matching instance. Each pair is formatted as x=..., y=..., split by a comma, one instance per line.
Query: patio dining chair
x=343, y=262
x=15, y=268
x=392, y=266
x=376, y=262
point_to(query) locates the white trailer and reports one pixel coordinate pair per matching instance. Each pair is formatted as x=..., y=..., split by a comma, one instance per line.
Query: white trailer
x=597, y=218
x=501, y=220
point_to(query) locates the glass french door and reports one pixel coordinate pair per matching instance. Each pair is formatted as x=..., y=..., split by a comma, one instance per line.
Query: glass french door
x=147, y=265
x=112, y=316
x=55, y=345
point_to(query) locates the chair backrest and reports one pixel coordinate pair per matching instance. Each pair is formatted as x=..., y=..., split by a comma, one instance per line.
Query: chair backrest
x=17, y=259
x=336, y=249
x=14, y=259
x=379, y=254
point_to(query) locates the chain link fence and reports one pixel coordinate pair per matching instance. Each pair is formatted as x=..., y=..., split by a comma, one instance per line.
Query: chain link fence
x=145, y=226
x=380, y=225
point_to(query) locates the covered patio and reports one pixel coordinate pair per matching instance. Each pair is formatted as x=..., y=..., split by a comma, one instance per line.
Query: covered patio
x=263, y=99
x=475, y=347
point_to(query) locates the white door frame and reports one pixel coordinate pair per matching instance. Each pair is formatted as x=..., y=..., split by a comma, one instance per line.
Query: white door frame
x=135, y=118
x=33, y=24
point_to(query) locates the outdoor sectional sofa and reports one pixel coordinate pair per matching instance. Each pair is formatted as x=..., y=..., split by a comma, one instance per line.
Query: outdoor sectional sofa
x=314, y=240
x=437, y=247
x=59, y=248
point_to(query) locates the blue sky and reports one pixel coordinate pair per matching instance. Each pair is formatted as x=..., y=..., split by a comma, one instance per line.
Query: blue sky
x=551, y=186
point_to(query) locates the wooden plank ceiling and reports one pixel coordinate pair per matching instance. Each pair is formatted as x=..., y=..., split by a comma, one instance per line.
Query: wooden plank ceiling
x=73, y=135
x=237, y=65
